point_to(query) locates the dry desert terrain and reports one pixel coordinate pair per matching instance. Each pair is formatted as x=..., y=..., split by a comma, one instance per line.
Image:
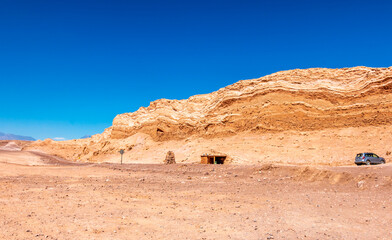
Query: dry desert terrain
x=53, y=199
x=290, y=139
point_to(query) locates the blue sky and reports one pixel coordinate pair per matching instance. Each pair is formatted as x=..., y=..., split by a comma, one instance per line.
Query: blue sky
x=67, y=68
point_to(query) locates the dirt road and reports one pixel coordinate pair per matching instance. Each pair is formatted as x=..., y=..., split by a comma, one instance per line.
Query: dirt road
x=194, y=202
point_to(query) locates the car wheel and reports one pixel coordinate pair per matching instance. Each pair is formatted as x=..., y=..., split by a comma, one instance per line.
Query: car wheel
x=382, y=162
x=367, y=162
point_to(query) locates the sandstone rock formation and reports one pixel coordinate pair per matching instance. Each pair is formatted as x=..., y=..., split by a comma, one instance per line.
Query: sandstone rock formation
x=303, y=103
x=292, y=100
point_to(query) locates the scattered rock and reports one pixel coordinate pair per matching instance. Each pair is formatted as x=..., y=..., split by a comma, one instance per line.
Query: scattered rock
x=270, y=236
x=361, y=184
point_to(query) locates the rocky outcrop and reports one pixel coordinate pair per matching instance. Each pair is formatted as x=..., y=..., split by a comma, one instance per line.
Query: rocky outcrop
x=302, y=100
x=281, y=104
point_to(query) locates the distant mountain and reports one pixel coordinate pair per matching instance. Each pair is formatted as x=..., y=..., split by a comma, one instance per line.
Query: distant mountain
x=86, y=136
x=7, y=136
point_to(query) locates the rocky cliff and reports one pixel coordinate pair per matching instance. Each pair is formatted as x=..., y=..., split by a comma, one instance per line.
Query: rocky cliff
x=289, y=102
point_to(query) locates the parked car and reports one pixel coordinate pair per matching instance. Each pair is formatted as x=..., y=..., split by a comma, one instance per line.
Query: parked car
x=368, y=158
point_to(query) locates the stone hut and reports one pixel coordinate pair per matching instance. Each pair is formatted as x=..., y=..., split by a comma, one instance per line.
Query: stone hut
x=170, y=158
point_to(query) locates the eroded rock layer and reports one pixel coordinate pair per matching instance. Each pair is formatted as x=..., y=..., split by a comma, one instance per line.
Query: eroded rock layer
x=303, y=100
x=295, y=101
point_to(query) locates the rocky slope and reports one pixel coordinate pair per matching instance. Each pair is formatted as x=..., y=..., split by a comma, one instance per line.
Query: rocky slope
x=311, y=103
x=292, y=100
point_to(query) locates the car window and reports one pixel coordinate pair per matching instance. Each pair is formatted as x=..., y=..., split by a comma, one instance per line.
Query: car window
x=359, y=154
x=374, y=155
x=368, y=155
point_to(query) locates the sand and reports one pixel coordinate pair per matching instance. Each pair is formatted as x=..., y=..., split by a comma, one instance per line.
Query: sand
x=192, y=201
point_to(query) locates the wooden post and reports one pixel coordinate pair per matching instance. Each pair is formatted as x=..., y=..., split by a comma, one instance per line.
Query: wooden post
x=121, y=152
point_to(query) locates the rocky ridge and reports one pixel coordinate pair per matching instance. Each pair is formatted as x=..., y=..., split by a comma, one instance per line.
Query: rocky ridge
x=298, y=102
x=308, y=99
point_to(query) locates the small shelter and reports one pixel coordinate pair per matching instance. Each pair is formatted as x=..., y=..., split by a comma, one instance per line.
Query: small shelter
x=213, y=158
x=170, y=159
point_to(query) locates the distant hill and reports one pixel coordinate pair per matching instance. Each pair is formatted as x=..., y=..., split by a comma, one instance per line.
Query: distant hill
x=7, y=136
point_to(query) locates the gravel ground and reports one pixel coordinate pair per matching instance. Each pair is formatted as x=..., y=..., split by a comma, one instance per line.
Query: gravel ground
x=194, y=201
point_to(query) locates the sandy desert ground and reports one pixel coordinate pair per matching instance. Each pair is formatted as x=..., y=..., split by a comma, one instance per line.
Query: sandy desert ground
x=64, y=200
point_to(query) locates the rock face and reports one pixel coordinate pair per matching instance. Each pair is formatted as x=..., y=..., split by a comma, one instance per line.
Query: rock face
x=305, y=103
x=301, y=100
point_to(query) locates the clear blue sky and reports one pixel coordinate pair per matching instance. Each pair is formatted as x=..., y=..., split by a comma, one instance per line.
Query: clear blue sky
x=67, y=68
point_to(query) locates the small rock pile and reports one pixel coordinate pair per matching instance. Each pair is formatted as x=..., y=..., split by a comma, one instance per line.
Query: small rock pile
x=170, y=159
